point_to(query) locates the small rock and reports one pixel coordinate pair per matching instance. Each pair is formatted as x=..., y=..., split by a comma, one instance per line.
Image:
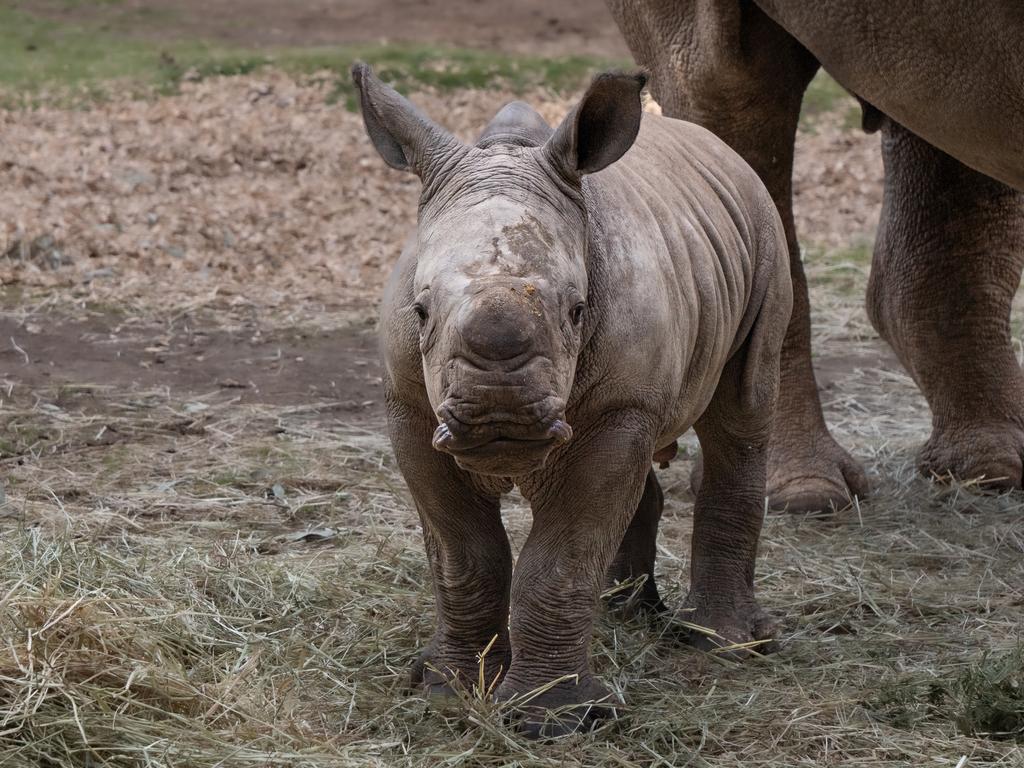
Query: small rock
x=43, y=251
x=135, y=178
x=98, y=274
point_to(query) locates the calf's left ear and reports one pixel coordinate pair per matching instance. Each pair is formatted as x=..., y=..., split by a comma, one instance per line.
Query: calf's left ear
x=601, y=128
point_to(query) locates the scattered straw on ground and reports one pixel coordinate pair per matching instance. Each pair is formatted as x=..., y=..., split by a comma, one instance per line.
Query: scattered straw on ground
x=245, y=586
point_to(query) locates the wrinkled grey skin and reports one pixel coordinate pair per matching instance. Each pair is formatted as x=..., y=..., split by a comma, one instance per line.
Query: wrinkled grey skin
x=951, y=71
x=559, y=316
x=950, y=247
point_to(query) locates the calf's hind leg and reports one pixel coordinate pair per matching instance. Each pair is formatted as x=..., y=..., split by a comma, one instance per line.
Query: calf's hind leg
x=727, y=516
x=947, y=263
x=734, y=434
x=637, y=552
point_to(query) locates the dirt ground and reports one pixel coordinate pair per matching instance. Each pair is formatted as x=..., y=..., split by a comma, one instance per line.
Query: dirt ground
x=207, y=555
x=277, y=366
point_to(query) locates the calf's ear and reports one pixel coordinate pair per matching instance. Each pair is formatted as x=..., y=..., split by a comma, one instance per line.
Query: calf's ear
x=601, y=128
x=406, y=138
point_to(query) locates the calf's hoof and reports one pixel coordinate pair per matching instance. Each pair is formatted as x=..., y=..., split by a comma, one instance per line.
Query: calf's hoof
x=631, y=601
x=989, y=455
x=567, y=707
x=440, y=680
x=742, y=631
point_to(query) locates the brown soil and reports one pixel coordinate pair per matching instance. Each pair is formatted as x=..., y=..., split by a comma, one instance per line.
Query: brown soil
x=531, y=26
x=252, y=365
x=240, y=194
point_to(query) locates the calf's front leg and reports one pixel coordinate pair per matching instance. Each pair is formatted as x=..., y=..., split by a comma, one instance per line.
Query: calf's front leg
x=470, y=560
x=582, y=504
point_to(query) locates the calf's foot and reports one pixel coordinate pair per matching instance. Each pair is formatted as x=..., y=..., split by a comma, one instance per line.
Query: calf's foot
x=441, y=676
x=736, y=628
x=569, y=706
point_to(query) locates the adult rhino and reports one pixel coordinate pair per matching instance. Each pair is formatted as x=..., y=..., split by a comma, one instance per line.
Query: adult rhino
x=944, y=81
x=550, y=283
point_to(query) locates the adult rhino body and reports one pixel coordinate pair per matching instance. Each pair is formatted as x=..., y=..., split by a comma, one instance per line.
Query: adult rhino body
x=950, y=247
x=559, y=316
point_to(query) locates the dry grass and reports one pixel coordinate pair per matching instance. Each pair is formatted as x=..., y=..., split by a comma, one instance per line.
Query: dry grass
x=245, y=586
x=189, y=581
x=261, y=194
x=239, y=195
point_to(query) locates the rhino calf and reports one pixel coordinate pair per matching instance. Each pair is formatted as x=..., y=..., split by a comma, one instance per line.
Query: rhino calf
x=560, y=316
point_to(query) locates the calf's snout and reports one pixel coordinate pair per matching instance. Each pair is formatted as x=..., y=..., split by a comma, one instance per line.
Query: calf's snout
x=502, y=322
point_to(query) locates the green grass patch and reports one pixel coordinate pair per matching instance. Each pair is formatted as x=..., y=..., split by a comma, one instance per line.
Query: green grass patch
x=845, y=270
x=824, y=95
x=49, y=60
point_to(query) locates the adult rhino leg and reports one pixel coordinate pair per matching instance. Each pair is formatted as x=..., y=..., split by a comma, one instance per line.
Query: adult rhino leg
x=581, y=504
x=947, y=262
x=636, y=555
x=470, y=561
x=727, y=66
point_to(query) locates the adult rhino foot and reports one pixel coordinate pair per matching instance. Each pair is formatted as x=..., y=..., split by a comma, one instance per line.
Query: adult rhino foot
x=569, y=706
x=441, y=677
x=738, y=630
x=989, y=455
x=816, y=476
x=819, y=477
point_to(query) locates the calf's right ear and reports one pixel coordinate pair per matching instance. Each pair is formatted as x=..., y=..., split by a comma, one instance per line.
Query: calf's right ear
x=407, y=139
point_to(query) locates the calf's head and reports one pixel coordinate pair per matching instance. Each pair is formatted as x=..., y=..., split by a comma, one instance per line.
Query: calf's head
x=500, y=291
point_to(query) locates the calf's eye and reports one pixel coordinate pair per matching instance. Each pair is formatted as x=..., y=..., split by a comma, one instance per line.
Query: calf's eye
x=576, y=315
x=421, y=312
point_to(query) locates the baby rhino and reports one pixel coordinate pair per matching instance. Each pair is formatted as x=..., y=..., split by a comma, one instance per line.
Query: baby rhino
x=572, y=301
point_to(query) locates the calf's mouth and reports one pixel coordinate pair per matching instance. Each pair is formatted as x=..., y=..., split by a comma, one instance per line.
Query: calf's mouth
x=556, y=433
x=504, y=449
